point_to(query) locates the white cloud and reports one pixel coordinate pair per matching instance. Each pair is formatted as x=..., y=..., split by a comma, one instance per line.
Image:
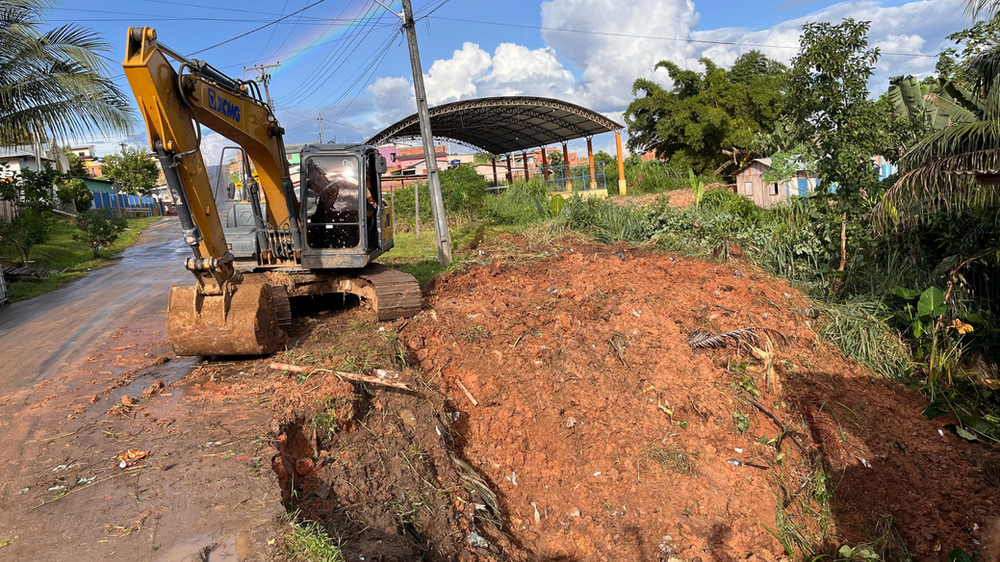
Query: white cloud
x=472, y=72
x=612, y=63
x=455, y=78
x=393, y=99
x=519, y=70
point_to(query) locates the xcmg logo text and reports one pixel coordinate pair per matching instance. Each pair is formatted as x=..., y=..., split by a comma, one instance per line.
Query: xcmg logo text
x=221, y=105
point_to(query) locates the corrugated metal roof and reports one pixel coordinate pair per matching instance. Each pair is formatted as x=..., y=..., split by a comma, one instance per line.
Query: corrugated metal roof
x=502, y=125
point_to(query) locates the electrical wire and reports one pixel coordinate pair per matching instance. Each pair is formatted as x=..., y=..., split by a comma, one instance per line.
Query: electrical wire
x=653, y=37
x=273, y=29
x=255, y=30
x=326, y=67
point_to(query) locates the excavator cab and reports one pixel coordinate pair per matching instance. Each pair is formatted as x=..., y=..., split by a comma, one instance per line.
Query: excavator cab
x=345, y=218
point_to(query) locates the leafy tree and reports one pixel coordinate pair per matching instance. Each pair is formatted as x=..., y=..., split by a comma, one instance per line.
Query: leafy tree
x=74, y=190
x=481, y=157
x=133, y=168
x=54, y=83
x=30, y=194
x=610, y=162
x=97, y=230
x=785, y=165
x=829, y=106
x=707, y=119
x=77, y=168
x=463, y=189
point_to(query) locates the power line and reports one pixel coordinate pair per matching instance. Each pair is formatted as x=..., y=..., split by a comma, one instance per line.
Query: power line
x=292, y=31
x=273, y=29
x=255, y=30
x=340, y=53
x=654, y=37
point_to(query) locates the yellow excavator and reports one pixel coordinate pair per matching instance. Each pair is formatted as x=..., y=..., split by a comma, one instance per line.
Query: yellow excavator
x=312, y=232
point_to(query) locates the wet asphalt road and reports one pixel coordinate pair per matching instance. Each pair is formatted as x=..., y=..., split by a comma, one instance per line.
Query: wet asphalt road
x=40, y=337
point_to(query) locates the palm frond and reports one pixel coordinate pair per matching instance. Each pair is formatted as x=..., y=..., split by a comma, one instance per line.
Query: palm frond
x=54, y=83
x=959, y=182
x=974, y=8
x=753, y=335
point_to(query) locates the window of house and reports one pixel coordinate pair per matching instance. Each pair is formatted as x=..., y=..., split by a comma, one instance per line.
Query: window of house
x=748, y=188
x=774, y=189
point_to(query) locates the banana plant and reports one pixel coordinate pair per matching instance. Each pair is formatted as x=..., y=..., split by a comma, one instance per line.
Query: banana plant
x=934, y=105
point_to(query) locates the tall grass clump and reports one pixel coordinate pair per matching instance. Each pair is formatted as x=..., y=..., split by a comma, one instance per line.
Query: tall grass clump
x=653, y=176
x=859, y=329
x=523, y=203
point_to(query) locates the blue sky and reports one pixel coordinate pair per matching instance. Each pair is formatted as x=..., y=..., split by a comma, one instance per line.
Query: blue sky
x=346, y=58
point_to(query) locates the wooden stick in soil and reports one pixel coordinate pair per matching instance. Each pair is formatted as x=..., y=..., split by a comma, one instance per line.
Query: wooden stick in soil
x=783, y=427
x=347, y=376
x=467, y=393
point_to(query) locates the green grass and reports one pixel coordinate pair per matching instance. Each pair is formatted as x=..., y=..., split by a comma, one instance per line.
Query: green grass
x=62, y=251
x=419, y=258
x=308, y=541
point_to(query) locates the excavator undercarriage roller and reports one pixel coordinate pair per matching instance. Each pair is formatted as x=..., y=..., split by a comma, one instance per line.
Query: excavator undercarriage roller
x=246, y=323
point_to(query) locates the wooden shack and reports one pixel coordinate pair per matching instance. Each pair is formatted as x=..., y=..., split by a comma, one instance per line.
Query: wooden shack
x=750, y=184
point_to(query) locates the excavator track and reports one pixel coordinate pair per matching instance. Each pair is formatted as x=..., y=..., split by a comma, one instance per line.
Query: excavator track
x=282, y=306
x=389, y=293
x=397, y=294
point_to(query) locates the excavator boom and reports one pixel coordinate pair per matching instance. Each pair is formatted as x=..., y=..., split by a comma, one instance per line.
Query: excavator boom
x=219, y=315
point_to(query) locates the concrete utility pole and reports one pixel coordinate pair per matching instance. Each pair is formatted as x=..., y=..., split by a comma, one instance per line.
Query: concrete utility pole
x=319, y=116
x=423, y=114
x=265, y=78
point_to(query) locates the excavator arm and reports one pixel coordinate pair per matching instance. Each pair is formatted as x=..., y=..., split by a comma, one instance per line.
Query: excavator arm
x=219, y=315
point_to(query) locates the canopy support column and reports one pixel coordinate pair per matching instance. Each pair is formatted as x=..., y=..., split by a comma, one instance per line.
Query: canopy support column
x=524, y=158
x=510, y=176
x=545, y=165
x=496, y=181
x=590, y=158
x=622, y=188
x=569, y=182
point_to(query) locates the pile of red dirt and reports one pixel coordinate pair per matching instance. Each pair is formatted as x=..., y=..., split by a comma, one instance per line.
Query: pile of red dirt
x=609, y=438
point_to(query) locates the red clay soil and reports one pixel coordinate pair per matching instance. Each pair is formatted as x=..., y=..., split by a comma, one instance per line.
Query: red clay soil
x=609, y=438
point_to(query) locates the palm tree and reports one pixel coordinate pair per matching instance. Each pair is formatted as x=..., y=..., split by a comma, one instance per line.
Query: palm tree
x=958, y=167
x=54, y=83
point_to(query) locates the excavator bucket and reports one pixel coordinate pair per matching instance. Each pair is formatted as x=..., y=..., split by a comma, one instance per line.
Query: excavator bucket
x=209, y=325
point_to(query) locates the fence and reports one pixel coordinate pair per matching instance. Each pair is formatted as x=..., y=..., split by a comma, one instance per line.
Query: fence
x=578, y=178
x=124, y=205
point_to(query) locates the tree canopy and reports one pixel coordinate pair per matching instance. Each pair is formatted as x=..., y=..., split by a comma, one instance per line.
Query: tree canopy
x=133, y=168
x=710, y=118
x=829, y=105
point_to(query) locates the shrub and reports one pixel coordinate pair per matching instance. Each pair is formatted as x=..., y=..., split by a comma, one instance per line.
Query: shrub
x=74, y=190
x=523, y=203
x=403, y=200
x=98, y=229
x=463, y=189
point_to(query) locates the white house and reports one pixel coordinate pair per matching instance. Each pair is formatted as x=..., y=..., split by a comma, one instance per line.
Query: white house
x=17, y=158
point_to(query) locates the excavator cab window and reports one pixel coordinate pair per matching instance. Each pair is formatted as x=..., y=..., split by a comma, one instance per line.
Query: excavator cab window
x=333, y=218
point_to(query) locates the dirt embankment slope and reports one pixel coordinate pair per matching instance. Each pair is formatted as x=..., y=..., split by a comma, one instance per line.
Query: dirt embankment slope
x=609, y=438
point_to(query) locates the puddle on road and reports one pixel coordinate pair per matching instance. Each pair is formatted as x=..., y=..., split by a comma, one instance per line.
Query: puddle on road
x=213, y=546
x=169, y=372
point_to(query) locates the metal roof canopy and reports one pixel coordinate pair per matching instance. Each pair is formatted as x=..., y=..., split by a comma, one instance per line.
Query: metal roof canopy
x=502, y=125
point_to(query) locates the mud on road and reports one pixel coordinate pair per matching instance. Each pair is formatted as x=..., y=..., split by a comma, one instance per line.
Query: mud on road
x=557, y=412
